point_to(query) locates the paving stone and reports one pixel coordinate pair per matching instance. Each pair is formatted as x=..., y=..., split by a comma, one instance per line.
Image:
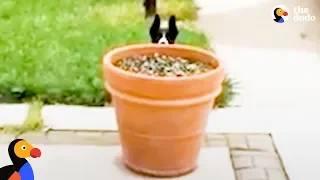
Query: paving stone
x=93, y=138
x=267, y=162
x=71, y=137
x=238, y=175
x=217, y=143
x=237, y=141
x=242, y=162
x=13, y=114
x=214, y=136
x=62, y=162
x=276, y=174
x=6, y=138
x=86, y=134
x=111, y=138
x=252, y=174
x=263, y=142
x=216, y=140
x=203, y=142
x=62, y=137
x=83, y=138
x=35, y=137
x=253, y=153
x=63, y=117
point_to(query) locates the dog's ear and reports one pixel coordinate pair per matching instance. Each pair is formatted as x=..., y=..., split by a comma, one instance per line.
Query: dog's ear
x=156, y=25
x=172, y=26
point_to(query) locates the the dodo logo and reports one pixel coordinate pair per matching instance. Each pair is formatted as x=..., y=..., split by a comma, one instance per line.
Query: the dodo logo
x=280, y=14
x=19, y=150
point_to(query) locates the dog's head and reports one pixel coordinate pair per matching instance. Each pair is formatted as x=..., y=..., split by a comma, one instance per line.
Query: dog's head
x=164, y=35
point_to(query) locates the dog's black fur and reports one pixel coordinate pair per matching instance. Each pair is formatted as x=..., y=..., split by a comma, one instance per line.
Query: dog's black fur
x=166, y=35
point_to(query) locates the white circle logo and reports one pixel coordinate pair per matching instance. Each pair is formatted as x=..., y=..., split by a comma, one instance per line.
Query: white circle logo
x=280, y=14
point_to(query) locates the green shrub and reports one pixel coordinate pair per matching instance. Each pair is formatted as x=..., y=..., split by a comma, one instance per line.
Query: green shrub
x=51, y=49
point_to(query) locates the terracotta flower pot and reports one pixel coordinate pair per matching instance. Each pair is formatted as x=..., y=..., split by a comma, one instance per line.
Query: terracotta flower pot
x=161, y=120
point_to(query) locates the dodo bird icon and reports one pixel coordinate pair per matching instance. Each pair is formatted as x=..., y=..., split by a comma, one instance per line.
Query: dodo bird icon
x=19, y=150
x=279, y=14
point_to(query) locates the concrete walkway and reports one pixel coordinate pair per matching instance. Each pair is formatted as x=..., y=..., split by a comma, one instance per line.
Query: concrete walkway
x=278, y=66
x=92, y=162
x=249, y=23
x=300, y=154
x=97, y=155
x=275, y=65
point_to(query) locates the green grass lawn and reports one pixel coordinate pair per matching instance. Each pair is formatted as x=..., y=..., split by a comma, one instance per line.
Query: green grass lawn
x=51, y=49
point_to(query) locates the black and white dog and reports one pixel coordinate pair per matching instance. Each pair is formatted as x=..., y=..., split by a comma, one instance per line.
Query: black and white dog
x=166, y=34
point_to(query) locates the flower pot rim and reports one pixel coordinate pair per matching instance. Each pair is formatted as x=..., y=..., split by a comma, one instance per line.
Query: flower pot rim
x=107, y=58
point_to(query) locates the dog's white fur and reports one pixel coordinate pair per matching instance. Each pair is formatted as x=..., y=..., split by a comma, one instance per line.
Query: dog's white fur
x=163, y=39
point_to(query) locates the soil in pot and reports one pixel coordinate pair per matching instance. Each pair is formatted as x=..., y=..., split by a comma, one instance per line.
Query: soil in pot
x=163, y=66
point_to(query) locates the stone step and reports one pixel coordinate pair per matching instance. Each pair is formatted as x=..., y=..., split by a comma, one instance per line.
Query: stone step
x=13, y=114
x=242, y=119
